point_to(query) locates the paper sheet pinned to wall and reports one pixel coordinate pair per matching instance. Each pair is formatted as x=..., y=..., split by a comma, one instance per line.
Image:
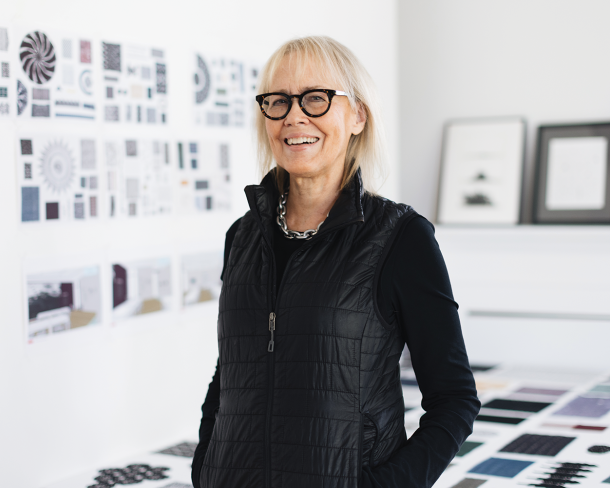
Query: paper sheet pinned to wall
x=56, y=75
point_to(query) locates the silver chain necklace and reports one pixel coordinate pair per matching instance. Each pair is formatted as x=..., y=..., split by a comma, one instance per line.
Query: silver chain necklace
x=281, y=221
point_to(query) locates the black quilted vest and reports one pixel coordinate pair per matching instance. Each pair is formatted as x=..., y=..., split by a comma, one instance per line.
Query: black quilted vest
x=309, y=377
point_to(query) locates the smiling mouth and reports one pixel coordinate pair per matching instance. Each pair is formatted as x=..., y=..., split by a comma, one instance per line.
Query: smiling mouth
x=294, y=141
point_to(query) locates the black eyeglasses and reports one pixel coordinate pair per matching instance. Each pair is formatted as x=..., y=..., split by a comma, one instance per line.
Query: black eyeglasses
x=314, y=103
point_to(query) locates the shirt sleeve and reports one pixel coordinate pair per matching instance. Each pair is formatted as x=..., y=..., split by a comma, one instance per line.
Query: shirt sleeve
x=212, y=399
x=421, y=303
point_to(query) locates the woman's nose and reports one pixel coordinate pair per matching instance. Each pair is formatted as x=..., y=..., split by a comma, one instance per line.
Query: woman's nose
x=296, y=115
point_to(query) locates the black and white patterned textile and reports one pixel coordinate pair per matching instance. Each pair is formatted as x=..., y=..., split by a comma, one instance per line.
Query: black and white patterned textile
x=37, y=56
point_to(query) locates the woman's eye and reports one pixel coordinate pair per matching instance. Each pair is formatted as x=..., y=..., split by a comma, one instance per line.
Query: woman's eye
x=280, y=102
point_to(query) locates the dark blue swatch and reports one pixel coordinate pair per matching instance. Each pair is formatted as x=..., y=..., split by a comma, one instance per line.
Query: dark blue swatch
x=507, y=468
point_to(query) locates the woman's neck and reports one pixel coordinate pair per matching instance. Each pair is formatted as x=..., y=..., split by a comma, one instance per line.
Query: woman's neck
x=310, y=199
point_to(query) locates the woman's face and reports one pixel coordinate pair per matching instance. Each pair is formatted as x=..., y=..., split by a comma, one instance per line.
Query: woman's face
x=330, y=133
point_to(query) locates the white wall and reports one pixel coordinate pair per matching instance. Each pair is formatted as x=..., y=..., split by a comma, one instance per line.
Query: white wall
x=542, y=59
x=101, y=394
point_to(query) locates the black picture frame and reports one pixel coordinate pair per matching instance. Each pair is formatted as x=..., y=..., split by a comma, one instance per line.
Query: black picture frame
x=542, y=214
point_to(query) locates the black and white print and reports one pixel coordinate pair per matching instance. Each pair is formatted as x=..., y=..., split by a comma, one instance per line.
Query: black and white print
x=135, y=84
x=55, y=76
x=224, y=91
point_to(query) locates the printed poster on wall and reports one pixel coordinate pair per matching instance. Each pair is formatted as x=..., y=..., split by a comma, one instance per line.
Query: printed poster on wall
x=204, y=176
x=56, y=75
x=7, y=81
x=134, y=84
x=141, y=287
x=58, y=177
x=139, y=177
x=62, y=300
x=223, y=91
x=200, y=275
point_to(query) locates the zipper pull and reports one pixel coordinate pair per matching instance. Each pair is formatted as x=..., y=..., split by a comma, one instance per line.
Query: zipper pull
x=271, y=328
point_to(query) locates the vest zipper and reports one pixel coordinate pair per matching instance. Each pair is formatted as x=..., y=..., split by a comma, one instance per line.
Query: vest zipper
x=271, y=329
x=273, y=302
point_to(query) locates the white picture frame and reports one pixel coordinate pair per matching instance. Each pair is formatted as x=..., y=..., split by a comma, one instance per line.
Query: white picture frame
x=481, y=171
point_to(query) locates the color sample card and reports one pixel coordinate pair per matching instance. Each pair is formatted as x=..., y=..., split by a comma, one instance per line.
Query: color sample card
x=135, y=84
x=62, y=300
x=184, y=449
x=541, y=391
x=521, y=406
x=469, y=483
x=201, y=277
x=599, y=428
x=56, y=76
x=139, y=178
x=141, y=287
x=467, y=447
x=500, y=420
x=586, y=407
x=224, y=91
x=204, y=176
x=541, y=445
x=7, y=79
x=58, y=178
x=506, y=468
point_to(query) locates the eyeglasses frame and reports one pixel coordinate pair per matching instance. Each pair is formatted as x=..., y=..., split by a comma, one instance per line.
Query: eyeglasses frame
x=331, y=94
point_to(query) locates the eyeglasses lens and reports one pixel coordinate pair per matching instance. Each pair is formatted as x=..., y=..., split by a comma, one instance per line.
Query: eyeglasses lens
x=314, y=103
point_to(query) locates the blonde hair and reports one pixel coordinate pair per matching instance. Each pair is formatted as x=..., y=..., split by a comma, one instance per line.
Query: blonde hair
x=366, y=150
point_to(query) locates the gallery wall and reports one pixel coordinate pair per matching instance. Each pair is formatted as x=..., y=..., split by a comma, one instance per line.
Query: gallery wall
x=123, y=384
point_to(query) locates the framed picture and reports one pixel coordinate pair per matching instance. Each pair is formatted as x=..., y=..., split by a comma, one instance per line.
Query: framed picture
x=481, y=171
x=573, y=174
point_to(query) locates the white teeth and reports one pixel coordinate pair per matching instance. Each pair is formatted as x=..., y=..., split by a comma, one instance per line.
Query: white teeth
x=301, y=140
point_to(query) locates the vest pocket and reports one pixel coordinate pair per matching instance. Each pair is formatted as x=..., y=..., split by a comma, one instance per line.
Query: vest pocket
x=370, y=439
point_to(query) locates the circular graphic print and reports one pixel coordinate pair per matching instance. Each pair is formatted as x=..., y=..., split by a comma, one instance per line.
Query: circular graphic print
x=22, y=97
x=202, y=81
x=37, y=57
x=57, y=166
x=86, y=82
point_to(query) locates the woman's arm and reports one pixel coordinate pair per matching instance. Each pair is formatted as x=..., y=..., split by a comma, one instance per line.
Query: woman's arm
x=416, y=293
x=212, y=399
x=208, y=419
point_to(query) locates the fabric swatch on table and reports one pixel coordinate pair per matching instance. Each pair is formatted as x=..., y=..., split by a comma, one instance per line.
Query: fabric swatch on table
x=541, y=445
x=519, y=405
x=541, y=391
x=499, y=420
x=476, y=368
x=184, y=449
x=600, y=389
x=469, y=483
x=607, y=480
x=506, y=468
x=599, y=449
x=467, y=447
x=586, y=407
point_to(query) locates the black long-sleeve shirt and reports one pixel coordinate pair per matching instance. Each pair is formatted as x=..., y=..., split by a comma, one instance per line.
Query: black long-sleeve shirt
x=414, y=292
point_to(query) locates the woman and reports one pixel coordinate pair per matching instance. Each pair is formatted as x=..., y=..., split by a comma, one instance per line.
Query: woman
x=323, y=284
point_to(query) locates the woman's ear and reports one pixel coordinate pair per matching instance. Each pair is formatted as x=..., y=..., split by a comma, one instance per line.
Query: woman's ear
x=359, y=119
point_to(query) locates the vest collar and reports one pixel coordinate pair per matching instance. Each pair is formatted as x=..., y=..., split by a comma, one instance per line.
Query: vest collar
x=263, y=200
